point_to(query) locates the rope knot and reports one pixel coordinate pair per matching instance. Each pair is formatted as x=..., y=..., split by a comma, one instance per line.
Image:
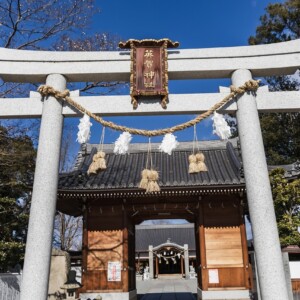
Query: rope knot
x=46, y=90
x=250, y=85
x=237, y=90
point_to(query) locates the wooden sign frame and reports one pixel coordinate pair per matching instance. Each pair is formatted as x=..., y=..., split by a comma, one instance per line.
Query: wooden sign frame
x=149, y=68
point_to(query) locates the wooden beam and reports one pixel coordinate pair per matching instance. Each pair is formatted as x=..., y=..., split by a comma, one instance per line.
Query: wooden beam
x=179, y=104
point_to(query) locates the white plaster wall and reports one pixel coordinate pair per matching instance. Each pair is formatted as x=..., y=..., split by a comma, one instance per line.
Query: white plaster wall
x=58, y=275
x=295, y=269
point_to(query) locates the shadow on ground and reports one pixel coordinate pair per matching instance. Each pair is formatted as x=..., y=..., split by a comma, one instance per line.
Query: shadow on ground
x=167, y=296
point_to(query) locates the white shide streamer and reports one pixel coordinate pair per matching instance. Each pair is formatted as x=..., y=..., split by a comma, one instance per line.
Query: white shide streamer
x=169, y=143
x=84, y=127
x=122, y=143
x=231, y=121
x=220, y=126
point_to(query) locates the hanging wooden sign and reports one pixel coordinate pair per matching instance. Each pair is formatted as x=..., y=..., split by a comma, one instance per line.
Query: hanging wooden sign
x=149, y=68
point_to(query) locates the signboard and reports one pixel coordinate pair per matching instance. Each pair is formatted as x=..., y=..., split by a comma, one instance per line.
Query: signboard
x=114, y=271
x=213, y=276
x=149, y=68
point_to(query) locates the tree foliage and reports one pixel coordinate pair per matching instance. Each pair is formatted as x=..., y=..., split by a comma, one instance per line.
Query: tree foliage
x=280, y=23
x=51, y=25
x=39, y=25
x=286, y=197
x=67, y=232
x=281, y=132
x=17, y=160
x=36, y=25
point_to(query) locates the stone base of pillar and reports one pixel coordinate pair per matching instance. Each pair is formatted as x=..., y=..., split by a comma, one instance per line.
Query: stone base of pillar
x=109, y=296
x=224, y=294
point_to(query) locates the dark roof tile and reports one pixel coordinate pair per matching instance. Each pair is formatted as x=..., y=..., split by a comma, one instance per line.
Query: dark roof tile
x=124, y=171
x=156, y=235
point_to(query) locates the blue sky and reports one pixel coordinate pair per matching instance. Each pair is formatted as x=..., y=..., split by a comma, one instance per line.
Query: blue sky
x=195, y=24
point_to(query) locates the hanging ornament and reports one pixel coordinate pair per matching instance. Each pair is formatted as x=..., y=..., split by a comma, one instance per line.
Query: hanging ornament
x=196, y=160
x=193, y=168
x=220, y=126
x=200, y=162
x=84, y=127
x=149, y=176
x=122, y=143
x=99, y=163
x=169, y=143
x=145, y=179
x=152, y=182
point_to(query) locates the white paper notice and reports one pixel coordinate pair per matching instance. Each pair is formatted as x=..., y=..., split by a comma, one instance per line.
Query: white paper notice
x=213, y=276
x=114, y=271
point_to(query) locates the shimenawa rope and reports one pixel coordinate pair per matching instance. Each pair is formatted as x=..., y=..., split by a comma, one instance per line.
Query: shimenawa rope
x=251, y=85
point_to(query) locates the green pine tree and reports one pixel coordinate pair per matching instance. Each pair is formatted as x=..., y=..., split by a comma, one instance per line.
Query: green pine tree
x=286, y=197
x=281, y=132
x=17, y=159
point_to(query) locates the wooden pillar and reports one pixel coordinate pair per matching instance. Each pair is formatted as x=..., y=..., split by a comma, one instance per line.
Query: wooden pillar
x=84, y=240
x=197, y=244
x=204, y=276
x=156, y=266
x=181, y=265
x=125, y=271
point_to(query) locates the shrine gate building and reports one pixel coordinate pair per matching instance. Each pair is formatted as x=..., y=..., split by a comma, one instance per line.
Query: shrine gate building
x=112, y=204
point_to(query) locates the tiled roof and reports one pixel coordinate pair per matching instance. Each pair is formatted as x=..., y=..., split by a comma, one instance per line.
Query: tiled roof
x=124, y=171
x=292, y=171
x=156, y=235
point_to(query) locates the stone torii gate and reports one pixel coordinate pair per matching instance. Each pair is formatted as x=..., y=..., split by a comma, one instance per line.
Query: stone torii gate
x=237, y=63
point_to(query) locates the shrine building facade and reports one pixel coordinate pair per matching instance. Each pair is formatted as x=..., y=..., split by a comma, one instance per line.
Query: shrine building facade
x=112, y=204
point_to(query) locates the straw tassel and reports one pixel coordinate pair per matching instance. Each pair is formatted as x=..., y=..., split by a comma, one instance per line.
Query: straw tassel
x=196, y=161
x=98, y=164
x=149, y=181
x=144, y=180
x=201, y=166
x=149, y=176
x=152, y=184
x=193, y=167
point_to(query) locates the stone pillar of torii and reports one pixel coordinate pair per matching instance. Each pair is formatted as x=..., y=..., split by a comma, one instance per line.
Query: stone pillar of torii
x=239, y=63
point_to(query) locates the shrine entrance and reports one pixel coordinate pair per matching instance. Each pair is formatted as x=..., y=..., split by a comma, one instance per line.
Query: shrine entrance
x=171, y=248
x=213, y=203
x=169, y=260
